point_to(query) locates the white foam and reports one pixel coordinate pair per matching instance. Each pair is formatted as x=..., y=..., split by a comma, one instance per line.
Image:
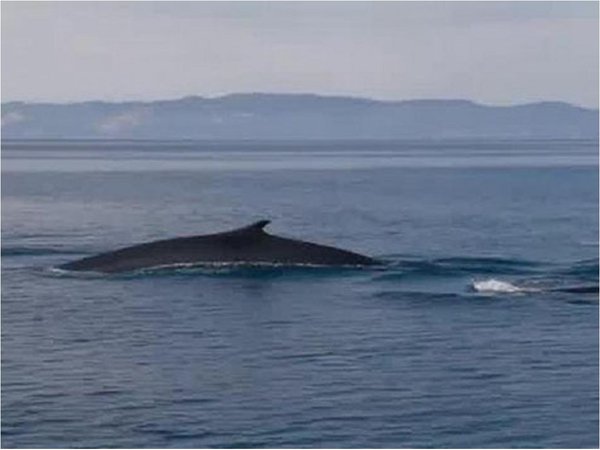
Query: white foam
x=242, y=265
x=58, y=272
x=497, y=286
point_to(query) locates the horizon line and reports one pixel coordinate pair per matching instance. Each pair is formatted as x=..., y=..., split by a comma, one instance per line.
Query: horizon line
x=278, y=141
x=303, y=94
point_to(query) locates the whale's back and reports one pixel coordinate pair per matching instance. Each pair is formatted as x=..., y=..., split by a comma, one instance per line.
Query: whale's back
x=245, y=245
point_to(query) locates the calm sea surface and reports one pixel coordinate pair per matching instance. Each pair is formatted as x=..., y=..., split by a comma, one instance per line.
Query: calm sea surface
x=472, y=335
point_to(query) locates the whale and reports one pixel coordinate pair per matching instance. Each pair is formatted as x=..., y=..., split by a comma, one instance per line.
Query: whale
x=249, y=245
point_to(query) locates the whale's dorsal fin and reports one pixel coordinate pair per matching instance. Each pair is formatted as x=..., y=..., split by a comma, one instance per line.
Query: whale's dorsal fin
x=256, y=227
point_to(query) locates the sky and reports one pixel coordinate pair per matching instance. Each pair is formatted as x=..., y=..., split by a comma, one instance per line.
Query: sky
x=497, y=53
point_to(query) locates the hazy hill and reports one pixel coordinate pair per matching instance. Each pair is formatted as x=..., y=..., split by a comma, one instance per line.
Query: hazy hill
x=286, y=116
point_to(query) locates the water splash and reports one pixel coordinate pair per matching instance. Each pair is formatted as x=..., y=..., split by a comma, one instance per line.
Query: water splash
x=495, y=286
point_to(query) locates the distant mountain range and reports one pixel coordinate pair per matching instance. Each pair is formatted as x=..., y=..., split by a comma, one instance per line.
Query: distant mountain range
x=294, y=116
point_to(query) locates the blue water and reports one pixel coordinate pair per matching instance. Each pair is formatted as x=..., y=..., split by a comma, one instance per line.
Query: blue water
x=468, y=337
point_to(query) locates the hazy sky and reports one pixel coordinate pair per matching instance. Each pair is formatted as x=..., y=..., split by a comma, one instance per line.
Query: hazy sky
x=492, y=52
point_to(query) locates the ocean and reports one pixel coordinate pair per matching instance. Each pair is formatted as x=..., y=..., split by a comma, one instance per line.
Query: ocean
x=481, y=329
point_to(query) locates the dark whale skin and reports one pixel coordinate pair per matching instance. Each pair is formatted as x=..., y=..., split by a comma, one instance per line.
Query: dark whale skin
x=248, y=245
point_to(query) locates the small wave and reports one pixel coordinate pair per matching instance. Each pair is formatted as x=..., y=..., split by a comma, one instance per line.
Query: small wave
x=227, y=269
x=418, y=295
x=579, y=289
x=489, y=273
x=456, y=266
x=487, y=261
x=37, y=251
x=504, y=287
x=63, y=273
x=501, y=287
x=587, y=269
